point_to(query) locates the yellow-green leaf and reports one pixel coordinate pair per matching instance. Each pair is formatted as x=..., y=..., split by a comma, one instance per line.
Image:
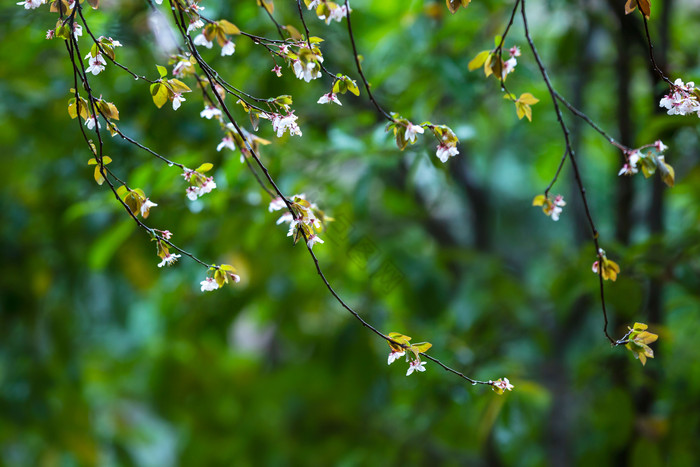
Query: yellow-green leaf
x=421, y=347
x=178, y=86
x=479, y=60
x=453, y=5
x=206, y=167
x=160, y=94
x=228, y=27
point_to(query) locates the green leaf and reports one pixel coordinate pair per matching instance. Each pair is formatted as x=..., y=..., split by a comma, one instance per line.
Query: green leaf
x=162, y=71
x=206, y=167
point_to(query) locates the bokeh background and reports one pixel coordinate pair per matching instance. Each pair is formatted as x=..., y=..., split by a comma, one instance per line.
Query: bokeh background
x=107, y=360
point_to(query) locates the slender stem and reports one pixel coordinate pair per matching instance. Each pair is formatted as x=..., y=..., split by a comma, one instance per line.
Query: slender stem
x=651, y=47
x=574, y=164
x=359, y=66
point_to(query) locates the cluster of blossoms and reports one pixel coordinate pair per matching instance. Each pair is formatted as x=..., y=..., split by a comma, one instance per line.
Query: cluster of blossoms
x=306, y=63
x=509, y=65
x=31, y=4
x=217, y=276
x=199, y=184
x=328, y=11
x=400, y=344
x=551, y=207
x=307, y=219
x=162, y=248
x=414, y=364
x=215, y=30
x=282, y=123
x=406, y=133
x=682, y=99
x=308, y=70
x=648, y=159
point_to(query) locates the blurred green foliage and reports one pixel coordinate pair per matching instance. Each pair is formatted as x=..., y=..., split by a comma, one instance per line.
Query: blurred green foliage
x=107, y=360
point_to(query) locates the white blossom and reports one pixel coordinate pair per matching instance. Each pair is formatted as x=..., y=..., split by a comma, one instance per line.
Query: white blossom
x=194, y=192
x=169, y=259
x=503, y=384
x=277, y=204
x=228, y=48
x=337, y=14
x=210, y=112
x=330, y=97
x=195, y=23
x=305, y=72
x=630, y=167
x=415, y=365
x=146, y=207
x=444, y=152
x=282, y=123
x=313, y=239
x=226, y=142
x=90, y=123
x=200, y=39
x=209, y=284
x=97, y=64
x=681, y=100
x=178, y=100
x=395, y=355
x=31, y=4
x=412, y=130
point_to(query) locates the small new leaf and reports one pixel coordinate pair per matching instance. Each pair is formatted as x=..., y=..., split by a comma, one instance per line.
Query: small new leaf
x=228, y=27
x=206, y=167
x=454, y=5
x=639, y=339
x=160, y=94
x=644, y=5
x=162, y=71
x=479, y=60
x=523, y=105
